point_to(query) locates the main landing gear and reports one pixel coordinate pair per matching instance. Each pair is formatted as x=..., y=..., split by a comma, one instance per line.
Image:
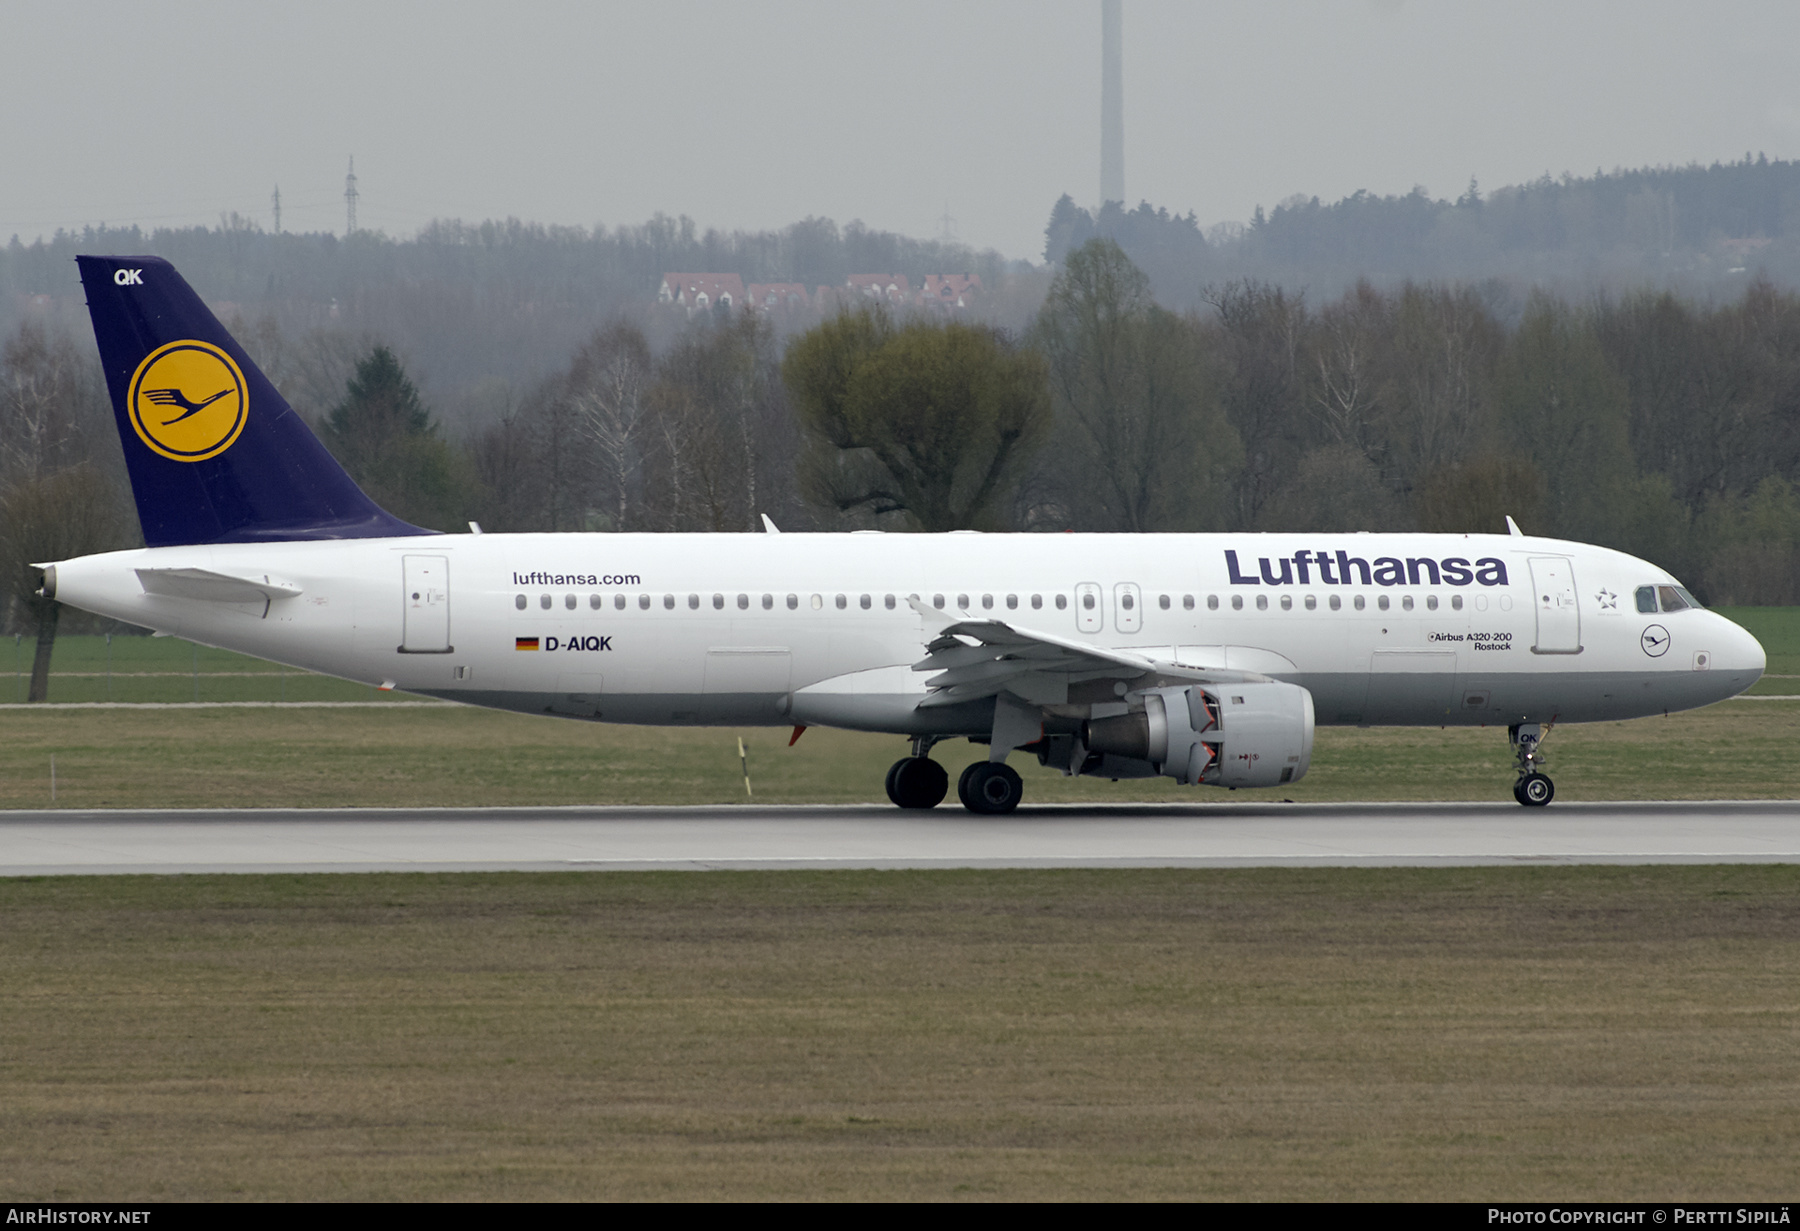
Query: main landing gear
x=1533, y=789
x=988, y=787
x=917, y=781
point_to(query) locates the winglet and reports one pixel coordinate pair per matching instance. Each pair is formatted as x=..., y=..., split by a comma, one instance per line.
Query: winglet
x=769, y=525
x=1512, y=528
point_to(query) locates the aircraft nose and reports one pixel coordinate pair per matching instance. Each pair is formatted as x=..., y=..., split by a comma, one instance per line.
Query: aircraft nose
x=1737, y=653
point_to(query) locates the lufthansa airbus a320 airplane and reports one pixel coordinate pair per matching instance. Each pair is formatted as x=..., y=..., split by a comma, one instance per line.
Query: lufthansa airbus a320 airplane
x=1205, y=658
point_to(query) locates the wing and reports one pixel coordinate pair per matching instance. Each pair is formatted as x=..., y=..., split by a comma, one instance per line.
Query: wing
x=982, y=658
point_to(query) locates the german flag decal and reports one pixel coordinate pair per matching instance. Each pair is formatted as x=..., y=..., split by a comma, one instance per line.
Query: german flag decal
x=525, y=643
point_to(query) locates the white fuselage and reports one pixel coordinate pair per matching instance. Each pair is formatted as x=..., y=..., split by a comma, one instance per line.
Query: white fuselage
x=1400, y=629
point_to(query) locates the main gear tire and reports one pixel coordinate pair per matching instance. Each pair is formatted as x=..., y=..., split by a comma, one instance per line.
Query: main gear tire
x=990, y=789
x=917, y=783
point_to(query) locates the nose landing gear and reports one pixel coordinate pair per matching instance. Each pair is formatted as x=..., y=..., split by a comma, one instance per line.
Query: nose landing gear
x=1533, y=789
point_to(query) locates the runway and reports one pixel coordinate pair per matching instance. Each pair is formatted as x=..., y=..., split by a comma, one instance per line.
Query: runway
x=1125, y=836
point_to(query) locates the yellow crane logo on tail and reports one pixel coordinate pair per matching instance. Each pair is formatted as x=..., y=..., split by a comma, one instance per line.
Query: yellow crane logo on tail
x=188, y=401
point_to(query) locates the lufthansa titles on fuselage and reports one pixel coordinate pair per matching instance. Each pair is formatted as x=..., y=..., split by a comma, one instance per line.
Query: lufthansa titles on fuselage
x=541, y=578
x=1340, y=568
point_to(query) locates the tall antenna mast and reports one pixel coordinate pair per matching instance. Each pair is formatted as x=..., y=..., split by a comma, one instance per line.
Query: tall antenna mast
x=276, y=199
x=1112, y=102
x=350, y=198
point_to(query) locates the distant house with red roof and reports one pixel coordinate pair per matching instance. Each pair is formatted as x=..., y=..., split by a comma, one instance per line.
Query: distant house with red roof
x=889, y=288
x=702, y=292
x=779, y=296
x=949, y=290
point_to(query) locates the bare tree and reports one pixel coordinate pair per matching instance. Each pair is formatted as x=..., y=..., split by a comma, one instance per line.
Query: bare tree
x=1142, y=443
x=606, y=387
x=71, y=512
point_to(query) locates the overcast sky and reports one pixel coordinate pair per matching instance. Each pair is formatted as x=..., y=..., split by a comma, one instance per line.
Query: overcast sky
x=751, y=115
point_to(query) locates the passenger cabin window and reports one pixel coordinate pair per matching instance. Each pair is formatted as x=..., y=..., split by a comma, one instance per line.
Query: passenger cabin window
x=1037, y=602
x=1187, y=602
x=1431, y=602
x=718, y=602
x=937, y=600
x=1087, y=602
x=1358, y=601
x=768, y=602
x=544, y=601
x=1287, y=602
x=1162, y=601
x=643, y=602
x=818, y=602
x=594, y=601
x=888, y=602
x=1337, y=603
x=866, y=602
x=1382, y=602
x=1212, y=602
x=569, y=601
x=520, y=602
x=618, y=602
x=842, y=602
x=1312, y=602
x=962, y=601
x=1237, y=602
x=793, y=602
x=1012, y=602
x=743, y=602
x=1062, y=601
x=693, y=602
x=987, y=602
x=1456, y=602
x=1262, y=602
x=668, y=602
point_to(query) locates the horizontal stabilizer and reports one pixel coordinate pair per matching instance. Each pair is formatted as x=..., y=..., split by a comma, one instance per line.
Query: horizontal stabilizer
x=211, y=587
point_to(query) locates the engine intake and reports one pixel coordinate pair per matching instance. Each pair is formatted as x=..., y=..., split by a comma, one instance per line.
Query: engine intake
x=1229, y=735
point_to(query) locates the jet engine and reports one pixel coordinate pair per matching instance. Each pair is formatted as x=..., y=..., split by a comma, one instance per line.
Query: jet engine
x=1221, y=735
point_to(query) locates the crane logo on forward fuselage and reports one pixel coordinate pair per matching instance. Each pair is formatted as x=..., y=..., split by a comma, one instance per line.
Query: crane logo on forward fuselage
x=188, y=401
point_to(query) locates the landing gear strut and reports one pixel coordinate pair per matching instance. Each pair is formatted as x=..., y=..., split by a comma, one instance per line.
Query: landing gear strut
x=1533, y=789
x=918, y=781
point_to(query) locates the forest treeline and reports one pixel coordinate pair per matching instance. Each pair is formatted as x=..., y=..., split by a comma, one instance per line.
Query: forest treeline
x=480, y=312
x=1699, y=230
x=1647, y=422
x=478, y=309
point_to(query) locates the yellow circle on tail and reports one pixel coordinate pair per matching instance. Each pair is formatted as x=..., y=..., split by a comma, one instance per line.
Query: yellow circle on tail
x=188, y=401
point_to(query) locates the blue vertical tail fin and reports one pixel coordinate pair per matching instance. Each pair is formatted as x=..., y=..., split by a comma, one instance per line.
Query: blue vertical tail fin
x=214, y=453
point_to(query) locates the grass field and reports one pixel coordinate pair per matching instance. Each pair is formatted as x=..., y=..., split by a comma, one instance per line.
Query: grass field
x=455, y=756
x=1516, y=1033
x=1550, y=1033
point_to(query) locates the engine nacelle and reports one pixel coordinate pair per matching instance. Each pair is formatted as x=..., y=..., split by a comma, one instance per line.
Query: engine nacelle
x=1221, y=735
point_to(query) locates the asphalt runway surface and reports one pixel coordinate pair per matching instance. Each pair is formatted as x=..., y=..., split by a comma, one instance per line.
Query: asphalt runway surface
x=1133, y=836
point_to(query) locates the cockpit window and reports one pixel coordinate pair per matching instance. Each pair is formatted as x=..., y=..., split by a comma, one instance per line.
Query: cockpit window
x=1667, y=598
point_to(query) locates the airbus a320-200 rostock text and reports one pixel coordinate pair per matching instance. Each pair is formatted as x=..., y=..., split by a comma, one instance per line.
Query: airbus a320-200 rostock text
x=1201, y=657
